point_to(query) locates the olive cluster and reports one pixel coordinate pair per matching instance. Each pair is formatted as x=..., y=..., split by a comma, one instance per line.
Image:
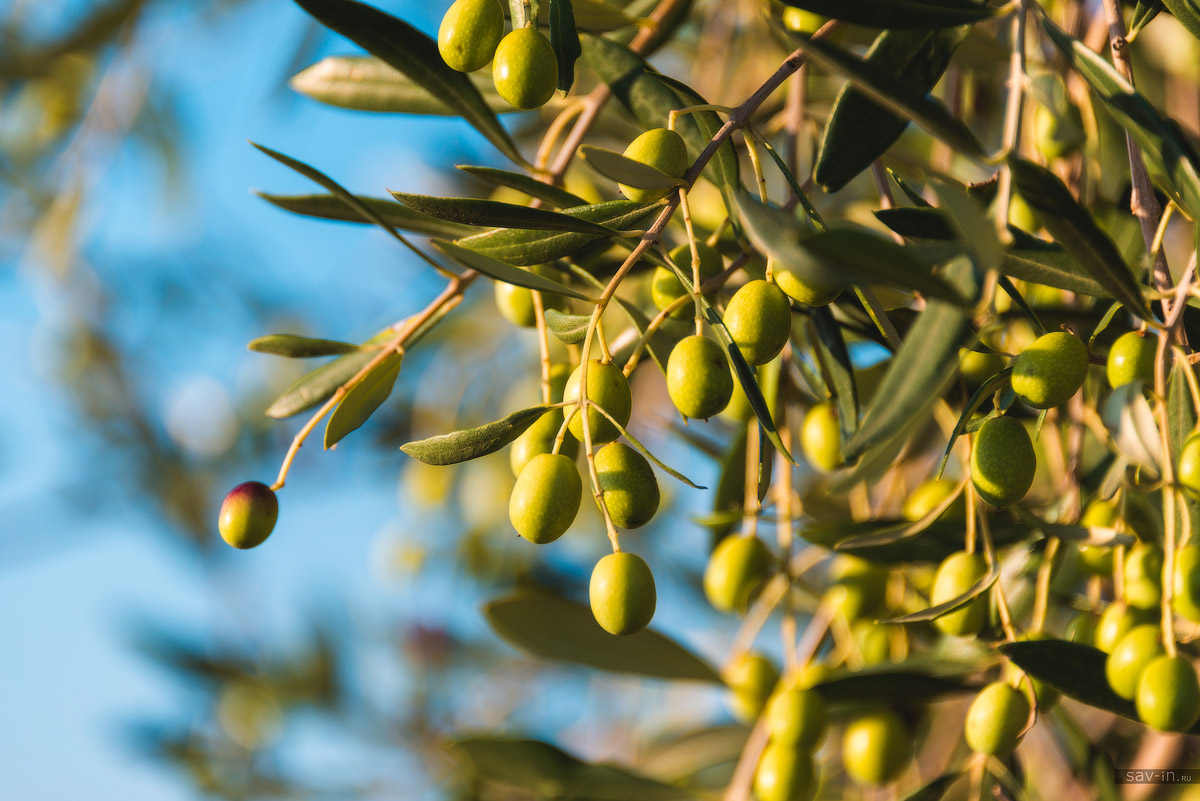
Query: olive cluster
x=524, y=67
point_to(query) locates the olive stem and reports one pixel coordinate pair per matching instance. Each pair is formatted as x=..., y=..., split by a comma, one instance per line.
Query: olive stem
x=550, y=138
x=785, y=532
x=695, y=251
x=1168, y=474
x=1041, y=597
x=760, y=180
x=750, y=506
x=989, y=554
x=539, y=311
x=1012, y=117
x=1190, y=375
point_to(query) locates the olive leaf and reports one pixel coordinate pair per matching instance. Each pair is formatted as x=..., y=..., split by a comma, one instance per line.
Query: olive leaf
x=888, y=540
x=1143, y=13
x=1075, y=670
x=913, y=679
x=363, y=399
x=494, y=268
x=494, y=214
x=553, y=195
x=616, y=167
x=332, y=207
x=569, y=328
x=834, y=358
x=675, y=474
x=1186, y=11
x=298, y=347
x=900, y=13
x=936, y=611
x=936, y=789
x=366, y=83
x=472, y=443
x=317, y=386
x=996, y=383
x=564, y=38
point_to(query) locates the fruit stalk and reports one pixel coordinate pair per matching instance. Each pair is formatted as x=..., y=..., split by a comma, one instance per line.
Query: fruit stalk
x=1012, y=121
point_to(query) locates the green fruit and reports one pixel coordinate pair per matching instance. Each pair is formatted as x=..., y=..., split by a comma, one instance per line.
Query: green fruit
x=622, y=593
x=662, y=149
x=665, y=287
x=858, y=587
x=736, y=568
x=1081, y=629
x=1050, y=370
x=876, y=748
x=1098, y=559
x=955, y=575
x=1118, y=620
x=929, y=495
x=784, y=773
x=628, y=483
x=821, y=437
x=515, y=303
x=1168, y=695
x=874, y=642
x=1186, y=583
x=739, y=409
x=698, y=377
x=1045, y=695
x=539, y=438
x=977, y=367
x=248, y=515
x=1188, y=472
x=1129, y=658
x=607, y=387
x=1002, y=461
x=1143, y=576
x=546, y=498
x=752, y=677
x=525, y=69
x=995, y=719
x=1131, y=359
x=796, y=717
x=807, y=292
x=759, y=319
x=469, y=33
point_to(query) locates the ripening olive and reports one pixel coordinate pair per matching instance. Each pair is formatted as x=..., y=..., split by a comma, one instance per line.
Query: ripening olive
x=1124, y=666
x=752, y=678
x=665, y=287
x=622, y=593
x=628, y=484
x=1131, y=359
x=929, y=495
x=1188, y=472
x=808, y=292
x=796, y=717
x=607, y=387
x=955, y=575
x=821, y=437
x=469, y=33
x=525, y=69
x=759, y=319
x=662, y=149
x=1003, y=461
x=515, y=303
x=1050, y=370
x=1118, y=620
x=876, y=748
x=698, y=377
x=248, y=514
x=995, y=719
x=545, y=498
x=736, y=568
x=1186, y=583
x=784, y=773
x=1143, y=576
x=1168, y=695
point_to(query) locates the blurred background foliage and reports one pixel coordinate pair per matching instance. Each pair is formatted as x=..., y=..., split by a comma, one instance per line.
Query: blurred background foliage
x=134, y=267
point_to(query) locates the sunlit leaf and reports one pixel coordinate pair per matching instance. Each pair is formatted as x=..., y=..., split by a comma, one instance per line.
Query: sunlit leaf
x=472, y=443
x=494, y=214
x=298, y=347
x=494, y=268
x=569, y=328
x=914, y=680
x=1187, y=12
x=555, y=196
x=363, y=399
x=614, y=166
x=932, y=613
x=330, y=207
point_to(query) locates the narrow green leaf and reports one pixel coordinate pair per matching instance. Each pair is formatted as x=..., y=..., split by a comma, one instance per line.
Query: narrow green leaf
x=814, y=216
x=650, y=98
x=935, y=790
x=363, y=399
x=995, y=383
x=889, y=91
x=1143, y=13
x=1015, y=295
x=564, y=38
x=365, y=83
x=416, y=55
x=974, y=229
x=494, y=214
x=471, y=443
x=830, y=349
x=616, y=167
x=317, y=386
x=555, y=196
x=899, y=13
x=1076, y=230
x=859, y=129
x=561, y=630
x=1187, y=12
x=934, y=612
x=569, y=328
x=887, y=540
x=298, y=347
x=330, y=207
x=493, y=268
x=526, y=248
x=594, y=16
x=638, y=446
x=909, y=680
x=926, y=362
x=1172, y=161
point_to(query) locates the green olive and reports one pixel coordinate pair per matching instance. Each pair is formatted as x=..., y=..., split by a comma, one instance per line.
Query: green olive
x=1188, y=473
x=1050, y=370
x=1186, y=583
x=1143, y=576
x=515, y=303
x=607, y=387
x=248, y=515
x=955, y=575
x=996, y=718
x=876, y=748
x=1003, y=461
x=1131, y=359
x=698, y=377
x=525, y=69
x=784, y=773
x=821, y=437
x=977, y=367
x=796, y=717
x=807, y=292
x=628, y=484
x=662, y=149
x=1081, y=629
x=759, y=318
x=858, y=587
x=929, y=495
x=739, y=409
x=1098, y=559
x=1116, y=621
x=545, y=498
x=469, y=33
x=622, y=593
x=1168, y=695
x=873, y=641
x=1124, y=666
x=539, y=438
x=665, y=287
x=752, y=678
x=736, y=568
